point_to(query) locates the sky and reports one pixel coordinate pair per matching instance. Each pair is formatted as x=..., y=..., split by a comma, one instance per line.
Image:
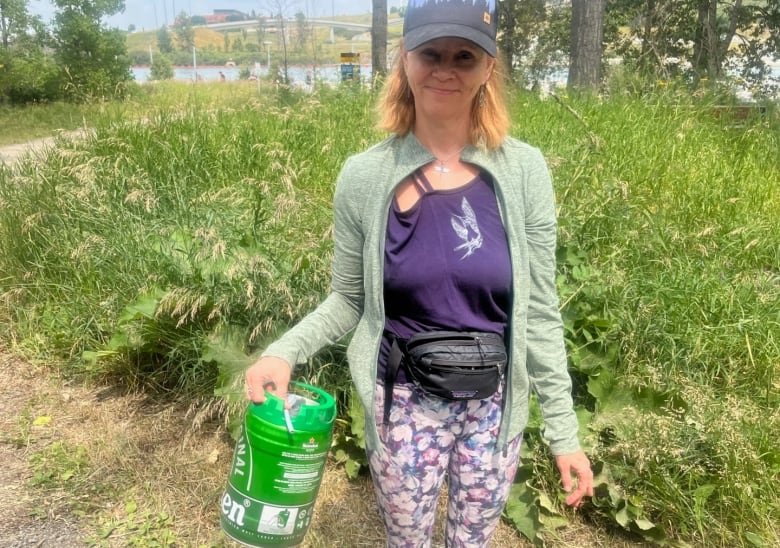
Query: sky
x=152, y=14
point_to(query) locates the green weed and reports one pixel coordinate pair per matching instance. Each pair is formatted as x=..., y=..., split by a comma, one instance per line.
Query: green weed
x=58, y=465
x=137, y=526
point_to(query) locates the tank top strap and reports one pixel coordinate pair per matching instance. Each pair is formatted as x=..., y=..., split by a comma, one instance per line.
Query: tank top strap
x=421, y=182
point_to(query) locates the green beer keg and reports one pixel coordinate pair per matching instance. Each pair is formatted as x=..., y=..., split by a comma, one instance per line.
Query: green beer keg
x=277, y=468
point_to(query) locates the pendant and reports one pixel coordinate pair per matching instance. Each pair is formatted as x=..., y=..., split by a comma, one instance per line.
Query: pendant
x=441, y=168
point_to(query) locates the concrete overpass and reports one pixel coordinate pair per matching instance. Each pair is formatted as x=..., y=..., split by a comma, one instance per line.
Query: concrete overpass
x=291, y=22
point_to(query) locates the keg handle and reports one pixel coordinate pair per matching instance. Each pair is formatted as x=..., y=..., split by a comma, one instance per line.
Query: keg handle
x=287, y=419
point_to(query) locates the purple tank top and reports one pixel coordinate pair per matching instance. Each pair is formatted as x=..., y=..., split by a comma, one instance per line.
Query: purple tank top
x=446, y=264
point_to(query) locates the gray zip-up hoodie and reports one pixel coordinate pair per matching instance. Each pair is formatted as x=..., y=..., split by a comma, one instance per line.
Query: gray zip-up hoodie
x=361, y=205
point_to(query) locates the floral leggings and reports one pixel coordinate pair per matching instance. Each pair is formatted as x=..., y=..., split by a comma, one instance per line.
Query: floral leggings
x=426, y=438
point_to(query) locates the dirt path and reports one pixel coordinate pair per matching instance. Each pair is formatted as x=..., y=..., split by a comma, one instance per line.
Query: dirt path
x=25, y=520
x=74, y=459
x=10, y=154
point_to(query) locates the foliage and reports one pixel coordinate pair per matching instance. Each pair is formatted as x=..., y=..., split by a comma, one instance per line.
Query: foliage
x=15, y=22
x=534, y=39
x=698, y=41
x=162, y=68
x=58, y=464
x=169, y=252
x=28, y=75
x=164, y=41
x=93, y=58
x=78, y=60
x=654, y=212
x=349, y=444
x=137, y=526
x=185, y=34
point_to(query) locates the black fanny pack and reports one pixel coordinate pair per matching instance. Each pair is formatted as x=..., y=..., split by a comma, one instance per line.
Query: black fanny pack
x=453, y=365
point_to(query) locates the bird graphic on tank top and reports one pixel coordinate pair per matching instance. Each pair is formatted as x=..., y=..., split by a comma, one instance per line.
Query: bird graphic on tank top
x=467, y=229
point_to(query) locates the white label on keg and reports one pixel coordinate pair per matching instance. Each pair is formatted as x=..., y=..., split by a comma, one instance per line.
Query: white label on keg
x=310, y=475
x=277, y=520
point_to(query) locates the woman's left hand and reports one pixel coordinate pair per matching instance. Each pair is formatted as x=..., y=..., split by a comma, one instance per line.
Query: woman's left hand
x=578, y=465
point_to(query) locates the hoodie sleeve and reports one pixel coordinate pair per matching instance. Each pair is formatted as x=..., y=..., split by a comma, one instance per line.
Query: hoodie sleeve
x=546, y=351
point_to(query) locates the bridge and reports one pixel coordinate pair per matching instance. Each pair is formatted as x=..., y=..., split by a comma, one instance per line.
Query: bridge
x=273, y=23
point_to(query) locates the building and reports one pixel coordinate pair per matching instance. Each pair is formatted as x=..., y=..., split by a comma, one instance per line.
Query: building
x=223, y=16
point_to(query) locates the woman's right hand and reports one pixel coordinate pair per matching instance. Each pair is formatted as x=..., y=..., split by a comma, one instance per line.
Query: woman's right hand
x=268, y=373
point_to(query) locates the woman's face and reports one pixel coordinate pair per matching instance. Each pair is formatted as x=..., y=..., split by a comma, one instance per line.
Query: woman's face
x=445, y=76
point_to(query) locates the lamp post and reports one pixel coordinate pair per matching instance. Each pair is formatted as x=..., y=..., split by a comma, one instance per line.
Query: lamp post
x=267, y=44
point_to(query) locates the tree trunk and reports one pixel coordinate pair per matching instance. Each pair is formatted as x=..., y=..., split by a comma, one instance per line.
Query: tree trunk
x=379, y=38
x=587, y=36
x=507, y=22
x=705, y=44
x=647, y=38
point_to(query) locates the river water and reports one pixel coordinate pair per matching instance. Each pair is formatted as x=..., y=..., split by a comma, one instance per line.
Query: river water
x=299, y=74
x=302, y=76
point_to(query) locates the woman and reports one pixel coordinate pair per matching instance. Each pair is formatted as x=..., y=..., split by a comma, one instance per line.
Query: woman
x=448, y=225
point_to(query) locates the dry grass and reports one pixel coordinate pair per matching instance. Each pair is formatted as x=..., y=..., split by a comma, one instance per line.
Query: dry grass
x=147, y=461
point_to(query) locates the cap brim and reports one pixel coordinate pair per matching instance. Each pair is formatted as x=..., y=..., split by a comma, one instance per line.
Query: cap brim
x=420, y=35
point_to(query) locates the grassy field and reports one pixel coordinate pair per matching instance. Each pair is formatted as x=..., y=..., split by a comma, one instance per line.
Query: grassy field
x=196, y=224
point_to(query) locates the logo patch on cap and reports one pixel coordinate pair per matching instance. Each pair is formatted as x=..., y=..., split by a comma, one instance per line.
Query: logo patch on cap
x=486, y=17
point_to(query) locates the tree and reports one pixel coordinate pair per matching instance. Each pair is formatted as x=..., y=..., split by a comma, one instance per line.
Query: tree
x=27, y=74
x=534, y=38
x=185, y=34
x=302, y=30
x=279, y=10
x=519, y=25
x=587, y=35
x=164, y=42
x=699, y=40
x=379, y=38
x=162, y=68
x=93, y=58
x=14, y=20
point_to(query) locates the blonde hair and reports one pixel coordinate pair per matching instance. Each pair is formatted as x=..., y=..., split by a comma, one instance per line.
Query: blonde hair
x=489, y=113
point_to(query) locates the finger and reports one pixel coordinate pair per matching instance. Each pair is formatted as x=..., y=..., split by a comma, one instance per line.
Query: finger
x=566, y=479
x=584, y=487
x=575, y=498
x=254, y=388
x=280, y=391
x=254, y=395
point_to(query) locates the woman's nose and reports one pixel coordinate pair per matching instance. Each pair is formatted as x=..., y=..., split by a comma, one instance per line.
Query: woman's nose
x=443, y=69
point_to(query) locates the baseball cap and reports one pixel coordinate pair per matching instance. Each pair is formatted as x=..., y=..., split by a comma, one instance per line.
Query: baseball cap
x=474, y=20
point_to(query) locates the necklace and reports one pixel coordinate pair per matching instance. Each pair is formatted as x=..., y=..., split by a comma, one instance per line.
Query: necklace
x=441, y=167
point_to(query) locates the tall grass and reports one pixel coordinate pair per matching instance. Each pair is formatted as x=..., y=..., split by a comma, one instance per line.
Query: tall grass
x=680, y=215
x=158, y=248
x=199, y=211
x=22, y=124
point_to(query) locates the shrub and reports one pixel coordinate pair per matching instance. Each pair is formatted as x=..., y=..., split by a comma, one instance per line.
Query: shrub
x=162, y=68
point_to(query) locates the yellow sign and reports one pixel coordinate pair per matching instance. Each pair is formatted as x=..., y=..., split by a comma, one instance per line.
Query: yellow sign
x=350, y=58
